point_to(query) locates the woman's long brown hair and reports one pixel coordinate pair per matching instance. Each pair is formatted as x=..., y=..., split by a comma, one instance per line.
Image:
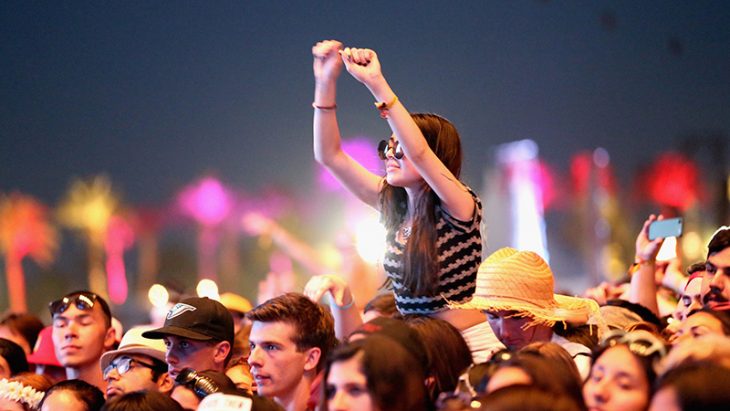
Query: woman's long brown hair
x=421, y=265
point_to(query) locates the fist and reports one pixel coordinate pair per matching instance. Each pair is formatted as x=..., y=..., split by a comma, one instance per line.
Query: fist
x=327, y=63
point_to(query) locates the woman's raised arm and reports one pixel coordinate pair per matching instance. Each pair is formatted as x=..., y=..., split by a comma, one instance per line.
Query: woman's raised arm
x=363, y=64
x=327, y=142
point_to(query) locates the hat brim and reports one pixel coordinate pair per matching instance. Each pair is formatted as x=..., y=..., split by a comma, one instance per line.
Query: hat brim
x=109, y=356
x=574, y=310
x=160, y=333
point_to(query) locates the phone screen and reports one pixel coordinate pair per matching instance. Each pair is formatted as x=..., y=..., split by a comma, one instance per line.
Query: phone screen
x=671, y=227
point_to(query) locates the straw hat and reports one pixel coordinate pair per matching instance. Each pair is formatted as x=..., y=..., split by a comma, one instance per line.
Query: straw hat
x=521, y=281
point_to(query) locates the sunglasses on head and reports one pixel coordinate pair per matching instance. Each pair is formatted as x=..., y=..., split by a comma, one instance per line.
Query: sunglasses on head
x=83, y=301
x=385, y=146
x=641, y=343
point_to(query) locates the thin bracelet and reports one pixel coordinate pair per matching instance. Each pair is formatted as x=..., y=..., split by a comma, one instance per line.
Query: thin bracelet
x=346, y=306
x=384, y=107
x=325, y=108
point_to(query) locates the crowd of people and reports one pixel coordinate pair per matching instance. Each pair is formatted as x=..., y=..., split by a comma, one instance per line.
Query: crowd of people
x=450, y=330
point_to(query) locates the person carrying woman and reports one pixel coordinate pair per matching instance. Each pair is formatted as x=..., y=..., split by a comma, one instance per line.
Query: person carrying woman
x=432, y=220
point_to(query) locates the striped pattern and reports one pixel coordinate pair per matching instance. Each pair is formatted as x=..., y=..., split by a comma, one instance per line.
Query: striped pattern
x=459, y=246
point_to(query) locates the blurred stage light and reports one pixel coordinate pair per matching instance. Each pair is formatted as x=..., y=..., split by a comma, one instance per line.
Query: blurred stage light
x=370, y=239
x=208, y=288
x=668, y=251
x=692, y=246
x=158, y=295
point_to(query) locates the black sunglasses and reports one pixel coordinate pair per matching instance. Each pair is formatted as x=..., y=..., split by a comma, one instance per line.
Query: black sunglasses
x=201, y=385
x=84, y=301
x=384, y=146
x=122, y=365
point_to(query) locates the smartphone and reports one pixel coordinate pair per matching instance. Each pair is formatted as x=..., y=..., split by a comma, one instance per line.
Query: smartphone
x=670, y=227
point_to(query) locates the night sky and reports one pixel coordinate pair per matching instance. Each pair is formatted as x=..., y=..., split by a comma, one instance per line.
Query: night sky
x=155, y=94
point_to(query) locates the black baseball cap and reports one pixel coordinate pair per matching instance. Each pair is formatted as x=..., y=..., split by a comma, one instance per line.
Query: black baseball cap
x=196, y=318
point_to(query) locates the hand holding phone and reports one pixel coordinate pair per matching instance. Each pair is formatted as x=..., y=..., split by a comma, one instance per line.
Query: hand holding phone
x=670, y=227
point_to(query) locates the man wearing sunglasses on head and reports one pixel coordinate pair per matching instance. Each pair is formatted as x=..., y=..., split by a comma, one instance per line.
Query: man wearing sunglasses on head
x=82, y=332
x=138, y=364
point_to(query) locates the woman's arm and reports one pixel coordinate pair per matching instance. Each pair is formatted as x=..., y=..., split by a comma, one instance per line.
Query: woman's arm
x=642, y=289
x=327, y=145
x=363, y=64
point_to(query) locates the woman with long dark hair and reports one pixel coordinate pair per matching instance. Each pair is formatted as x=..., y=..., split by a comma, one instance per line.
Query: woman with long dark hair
x=432, y=220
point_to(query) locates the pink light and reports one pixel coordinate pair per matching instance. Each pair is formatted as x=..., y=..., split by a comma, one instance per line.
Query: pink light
x=119, y=237
x=363, y=151
x=208, y=202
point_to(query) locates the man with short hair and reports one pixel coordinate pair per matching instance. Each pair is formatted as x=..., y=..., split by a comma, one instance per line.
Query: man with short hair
x=515, y=291
x=290, y=339
x=82, y=332
x=716, y=280
x=198, y=334
x=138, y=364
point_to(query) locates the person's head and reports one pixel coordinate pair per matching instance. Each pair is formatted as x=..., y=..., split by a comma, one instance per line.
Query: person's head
x=82, y=329
x=72, y=395
x=373, y=373
x=21, y=328
x=290, y=339
x=238, y=307
x=716, y=281
x=400, y=332
x=142, y=401
x=522, y=398
x=515, y=291
x=693, y=387
x=191, y=386
x=713, y=348
x=138, y=364
x=12, y=359
x=22, y=392
x=623, y=371
x=442, y=139
x=690, y=300
x=198, y=334
x=420, y=253
x=636, y=316
x=539, y=371
x=382, y=305
x=703, y=322
x=448, y=353
x=555, y=354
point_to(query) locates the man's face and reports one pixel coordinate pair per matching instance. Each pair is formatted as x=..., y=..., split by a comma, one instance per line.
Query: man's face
x=716, y=282
x=276, y=364
x=81, y=336
x=509, y=327
x=691, y=299
x=186, y=353
x=139, y=375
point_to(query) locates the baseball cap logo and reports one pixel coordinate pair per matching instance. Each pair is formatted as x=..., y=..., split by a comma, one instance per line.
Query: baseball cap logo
x=178, y=309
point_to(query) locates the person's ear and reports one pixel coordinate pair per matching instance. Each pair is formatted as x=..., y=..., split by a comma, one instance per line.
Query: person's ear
x=221, y=352
x=165, y=383
x=110, y=338
x=312, y=358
